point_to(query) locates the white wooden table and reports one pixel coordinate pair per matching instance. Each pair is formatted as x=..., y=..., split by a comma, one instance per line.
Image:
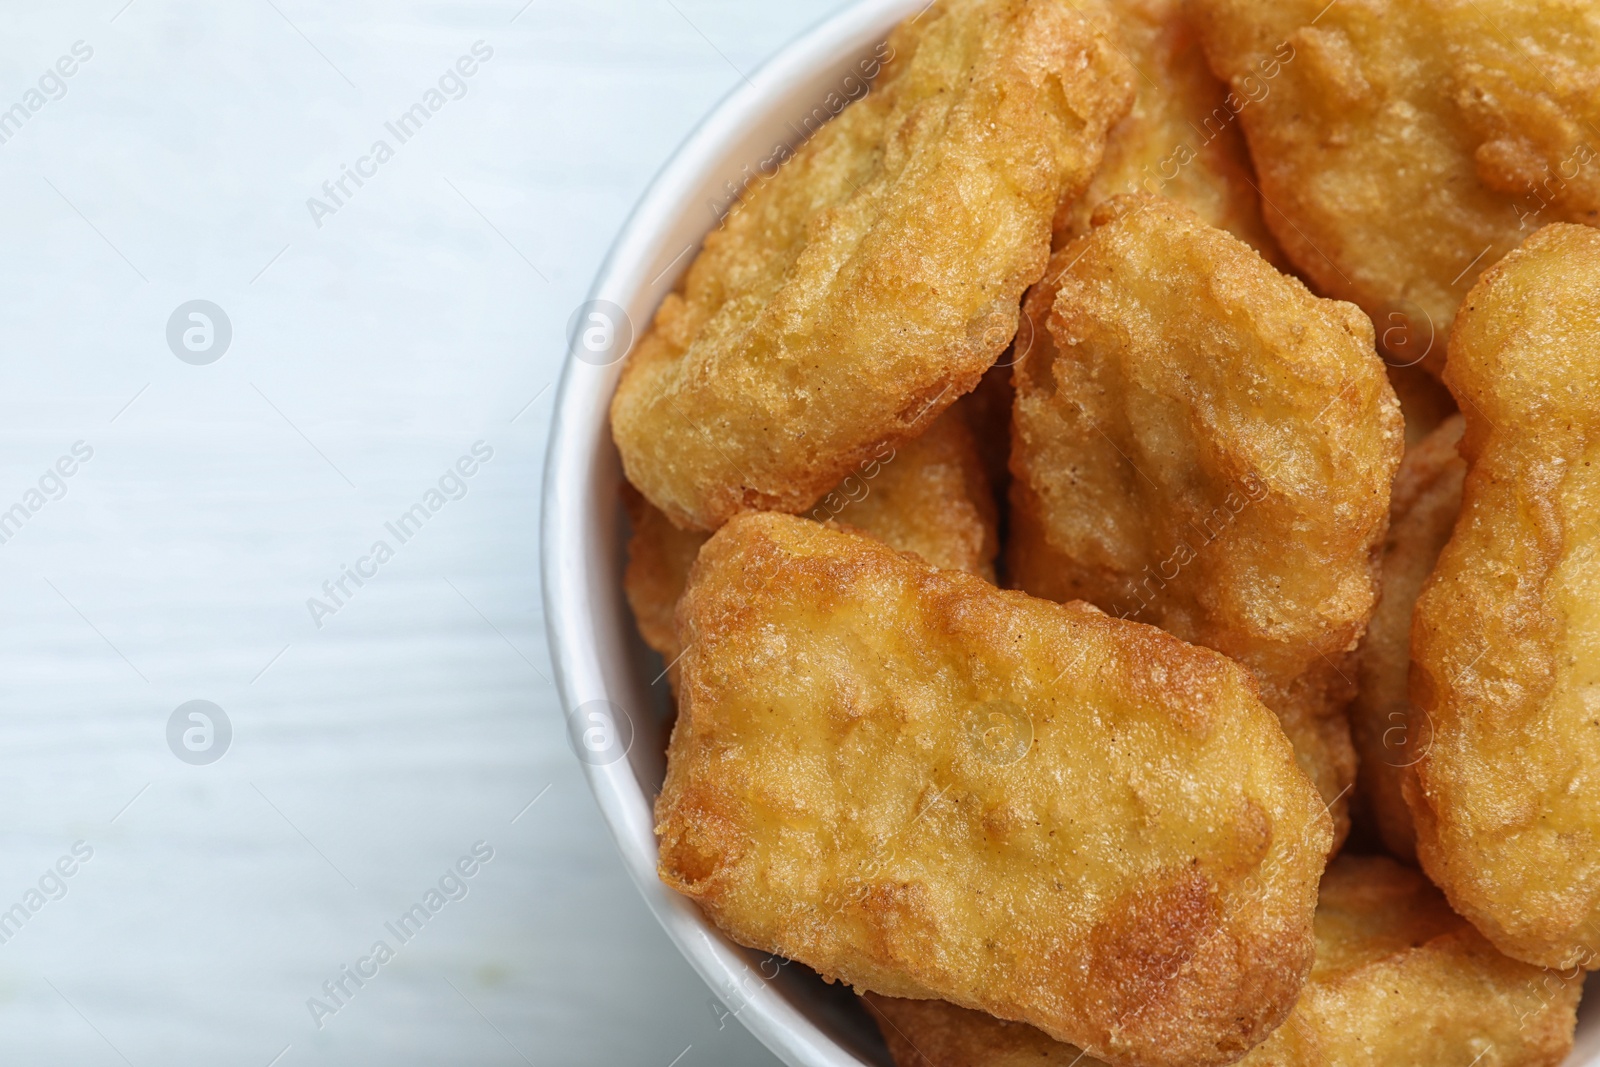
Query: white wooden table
x=376, y=337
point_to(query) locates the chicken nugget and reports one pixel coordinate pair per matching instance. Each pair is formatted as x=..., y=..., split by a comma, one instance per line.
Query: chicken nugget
x=1422, y=513
x=1180, y=139
x=929, y=496
x=1403, y=146
x=1505, y=641
x=1200, y=443
x=856, y=294
x=924, y=786
x=936, y=1033
x=1399, y=979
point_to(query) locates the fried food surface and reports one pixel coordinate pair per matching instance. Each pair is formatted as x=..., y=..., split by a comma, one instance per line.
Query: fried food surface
x=1506, y=635
x=924, y=786
x=1201, y=444
x=1181, y=139
x=1422, y=514
x=929, y=496
x=936, y=1033
x=1403, y=147
x=857, y=293
x=1399, y=979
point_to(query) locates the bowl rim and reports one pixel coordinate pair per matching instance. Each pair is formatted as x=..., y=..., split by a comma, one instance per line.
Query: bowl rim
x=579, y=580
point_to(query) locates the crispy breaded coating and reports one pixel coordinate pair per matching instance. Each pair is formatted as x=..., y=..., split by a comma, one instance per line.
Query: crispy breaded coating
x=1422, y=514
x=1526, y=77
x=924, y=786
x=856, y=294
x=1402, y=979
x=1403, y=146
x=1505, y=641
x=1200, y=443
x=930, y=496
x=1181, y=139
x=1399, y=979
x=936, y=1033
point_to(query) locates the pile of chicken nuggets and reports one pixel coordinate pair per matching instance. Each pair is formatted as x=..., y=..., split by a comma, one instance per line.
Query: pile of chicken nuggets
x=1119, y=509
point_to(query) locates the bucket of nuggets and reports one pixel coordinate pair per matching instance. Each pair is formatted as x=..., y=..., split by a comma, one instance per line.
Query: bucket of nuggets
x=1119, y=508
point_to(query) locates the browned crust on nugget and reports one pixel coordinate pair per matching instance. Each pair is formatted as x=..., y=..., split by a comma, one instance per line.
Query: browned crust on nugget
x=1399, y=979
x=924, y=786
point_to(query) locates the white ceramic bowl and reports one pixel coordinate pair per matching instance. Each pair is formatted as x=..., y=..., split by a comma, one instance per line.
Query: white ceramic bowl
x=617, y=710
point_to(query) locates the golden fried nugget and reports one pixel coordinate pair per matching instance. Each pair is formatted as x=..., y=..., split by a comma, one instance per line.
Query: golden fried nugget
x=1505, y=641
x=1200, y=443
x=1422, y=513
x=930, y=496
x=1402, y=979
x=1180, y=140
x=1403, y=146
x=924, y=786
x=1399, y=979
x=936, y=1033
x=855, y=295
